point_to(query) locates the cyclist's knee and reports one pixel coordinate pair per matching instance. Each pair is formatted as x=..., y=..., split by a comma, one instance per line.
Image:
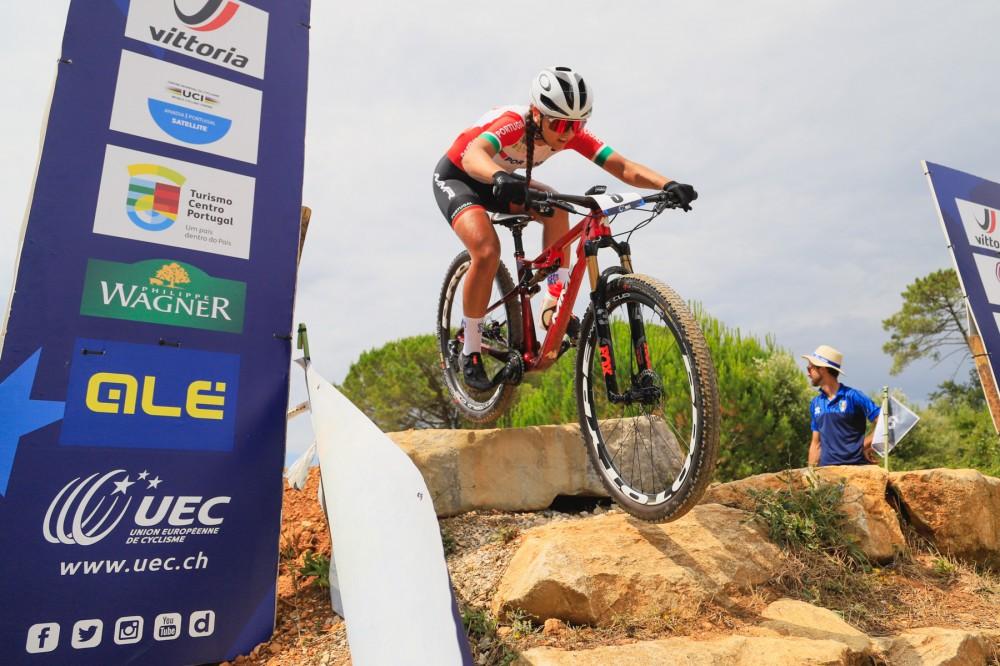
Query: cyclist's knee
x=486, y=253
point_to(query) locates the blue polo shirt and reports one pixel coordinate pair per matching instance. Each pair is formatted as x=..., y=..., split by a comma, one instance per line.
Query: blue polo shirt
x=840, y=422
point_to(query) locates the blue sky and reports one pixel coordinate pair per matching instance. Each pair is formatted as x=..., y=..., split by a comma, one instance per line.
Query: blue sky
x=802, y=125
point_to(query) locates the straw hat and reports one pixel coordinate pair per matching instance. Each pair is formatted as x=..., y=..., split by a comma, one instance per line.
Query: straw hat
x=827, y=357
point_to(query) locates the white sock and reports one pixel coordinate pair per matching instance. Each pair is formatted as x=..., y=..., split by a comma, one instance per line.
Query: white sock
x=563, y=274
x=473, y=335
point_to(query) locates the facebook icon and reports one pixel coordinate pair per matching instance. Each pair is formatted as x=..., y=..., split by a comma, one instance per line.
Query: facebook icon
x=43, y=637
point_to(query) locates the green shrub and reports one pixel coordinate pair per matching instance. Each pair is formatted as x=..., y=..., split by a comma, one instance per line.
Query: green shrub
x=317, y=566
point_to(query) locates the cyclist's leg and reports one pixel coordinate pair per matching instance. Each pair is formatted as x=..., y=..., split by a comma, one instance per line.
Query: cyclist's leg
x=476, y=232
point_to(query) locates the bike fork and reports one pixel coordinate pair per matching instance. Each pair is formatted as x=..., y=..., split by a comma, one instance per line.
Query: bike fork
x=598, y=298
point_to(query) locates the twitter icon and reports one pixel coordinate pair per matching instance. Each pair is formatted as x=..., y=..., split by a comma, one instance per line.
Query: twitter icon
x=87, y=634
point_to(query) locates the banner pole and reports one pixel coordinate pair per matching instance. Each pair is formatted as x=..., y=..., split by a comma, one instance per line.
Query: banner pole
x=886, y=410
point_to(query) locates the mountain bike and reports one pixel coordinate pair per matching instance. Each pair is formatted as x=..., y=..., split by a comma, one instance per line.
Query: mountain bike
x=645, y=386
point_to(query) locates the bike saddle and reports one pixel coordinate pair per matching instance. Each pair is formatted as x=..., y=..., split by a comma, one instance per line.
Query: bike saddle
x=510, y=221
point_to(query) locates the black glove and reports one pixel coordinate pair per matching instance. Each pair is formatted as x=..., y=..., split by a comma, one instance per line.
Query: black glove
x=508, y=187
x=682, y=194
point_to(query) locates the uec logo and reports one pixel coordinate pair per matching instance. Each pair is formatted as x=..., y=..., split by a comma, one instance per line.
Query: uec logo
x=117, y=393
x=74, y=516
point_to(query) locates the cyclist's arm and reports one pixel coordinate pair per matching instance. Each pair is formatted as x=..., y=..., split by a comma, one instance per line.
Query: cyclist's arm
x=478, y=160
x=633, y=173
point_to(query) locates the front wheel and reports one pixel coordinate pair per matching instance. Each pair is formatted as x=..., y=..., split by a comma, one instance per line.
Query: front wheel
x=501, y=339
x=655, y=438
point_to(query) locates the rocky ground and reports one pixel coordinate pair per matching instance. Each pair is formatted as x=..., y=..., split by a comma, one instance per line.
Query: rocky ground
x=921, y=589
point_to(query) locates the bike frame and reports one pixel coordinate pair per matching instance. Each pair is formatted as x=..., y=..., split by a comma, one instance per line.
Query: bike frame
x=592, y=236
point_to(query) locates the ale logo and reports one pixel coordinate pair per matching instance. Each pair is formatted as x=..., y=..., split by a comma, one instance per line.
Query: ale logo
x=151, y=397
x=211, y=16
x=154, y=194
x=162, y=291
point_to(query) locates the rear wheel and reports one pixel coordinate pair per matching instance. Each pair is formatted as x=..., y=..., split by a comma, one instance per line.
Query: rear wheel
x=655, y=442
x=501, y=339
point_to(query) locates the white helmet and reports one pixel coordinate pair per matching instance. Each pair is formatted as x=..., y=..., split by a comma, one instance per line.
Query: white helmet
x=559, y=92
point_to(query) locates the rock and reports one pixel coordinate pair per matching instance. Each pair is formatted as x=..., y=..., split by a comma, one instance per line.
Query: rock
x=789, y=617
x=590, y=571
x=935, y=647
x=731, y=651
x=513, y=469
x=958, y=510
x=553, y=627
x=504, y=632
x=870, y=518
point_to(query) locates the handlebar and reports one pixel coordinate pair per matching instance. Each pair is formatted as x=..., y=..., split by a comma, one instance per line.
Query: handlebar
x=662, y=200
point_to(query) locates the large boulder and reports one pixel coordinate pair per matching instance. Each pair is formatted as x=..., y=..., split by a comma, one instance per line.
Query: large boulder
x=730, y=651
x=593, y=570
x=870, y=518
x=513, y=469
x=935, y=647
x=958, y=510
x=789, y=617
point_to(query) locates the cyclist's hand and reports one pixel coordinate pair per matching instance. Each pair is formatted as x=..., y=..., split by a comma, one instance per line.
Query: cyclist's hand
x=681, y=193
x=508, y=187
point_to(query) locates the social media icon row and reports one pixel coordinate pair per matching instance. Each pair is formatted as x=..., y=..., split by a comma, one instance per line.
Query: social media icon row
x=44, y=636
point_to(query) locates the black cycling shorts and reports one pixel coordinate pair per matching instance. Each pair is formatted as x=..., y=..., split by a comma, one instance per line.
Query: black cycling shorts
x=455, y=191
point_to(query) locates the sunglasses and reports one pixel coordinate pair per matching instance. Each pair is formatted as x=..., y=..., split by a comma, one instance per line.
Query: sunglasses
x=564, y=125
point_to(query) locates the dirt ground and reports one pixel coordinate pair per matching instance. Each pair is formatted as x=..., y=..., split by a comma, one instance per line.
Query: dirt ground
x=924, y=589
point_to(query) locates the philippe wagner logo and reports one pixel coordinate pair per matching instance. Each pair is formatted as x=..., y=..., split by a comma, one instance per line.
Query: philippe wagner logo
x=162, y=291
x=154, y=194
x=88, y=510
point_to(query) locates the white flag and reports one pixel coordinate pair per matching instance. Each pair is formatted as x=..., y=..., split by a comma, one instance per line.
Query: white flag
x=901, y=422
x=394, y=583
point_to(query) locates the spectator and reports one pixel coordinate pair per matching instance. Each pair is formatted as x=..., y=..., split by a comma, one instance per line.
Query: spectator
x=839, y=414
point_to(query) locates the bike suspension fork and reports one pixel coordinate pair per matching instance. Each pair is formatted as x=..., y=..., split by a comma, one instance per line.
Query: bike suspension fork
x=637, y=327
x=598, y=301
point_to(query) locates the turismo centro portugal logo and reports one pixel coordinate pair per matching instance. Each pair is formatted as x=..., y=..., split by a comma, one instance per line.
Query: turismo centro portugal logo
x=154, y=194
x=162, y=291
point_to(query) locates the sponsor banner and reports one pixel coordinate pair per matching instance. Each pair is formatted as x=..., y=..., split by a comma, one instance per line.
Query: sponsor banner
x=150, y=397
x=968, y=207
x=161, y=101
x=163, y=291
x=227, y=33
x=169, y=202
x=141, y=401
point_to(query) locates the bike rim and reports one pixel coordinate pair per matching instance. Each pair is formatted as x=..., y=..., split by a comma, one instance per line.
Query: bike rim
x=645, y=450
x=495, y=343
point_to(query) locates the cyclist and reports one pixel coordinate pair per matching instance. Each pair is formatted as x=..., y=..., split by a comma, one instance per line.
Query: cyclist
x=478, y=175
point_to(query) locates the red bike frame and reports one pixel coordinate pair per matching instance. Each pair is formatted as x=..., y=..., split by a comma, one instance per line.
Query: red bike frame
x=535, y=358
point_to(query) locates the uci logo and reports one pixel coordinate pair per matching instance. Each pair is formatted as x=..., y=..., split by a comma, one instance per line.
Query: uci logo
x=117, y=393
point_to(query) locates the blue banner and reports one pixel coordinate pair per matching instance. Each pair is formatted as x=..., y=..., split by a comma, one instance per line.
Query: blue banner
x=968, y=206
x=144, y=369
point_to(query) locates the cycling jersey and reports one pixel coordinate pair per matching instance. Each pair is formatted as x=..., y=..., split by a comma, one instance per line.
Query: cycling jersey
x=504, y=128
x=456, y=191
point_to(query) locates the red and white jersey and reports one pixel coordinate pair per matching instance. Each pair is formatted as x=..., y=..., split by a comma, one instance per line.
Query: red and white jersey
x=504, y=128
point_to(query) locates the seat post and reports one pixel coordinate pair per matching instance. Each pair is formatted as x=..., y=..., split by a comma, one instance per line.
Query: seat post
x=518, y=245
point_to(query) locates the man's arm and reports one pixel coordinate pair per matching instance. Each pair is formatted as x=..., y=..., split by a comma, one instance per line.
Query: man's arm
x=872, y=412
x=814, y=450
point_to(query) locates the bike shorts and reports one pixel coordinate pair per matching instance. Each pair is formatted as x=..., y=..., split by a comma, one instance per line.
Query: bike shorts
x=455, y=191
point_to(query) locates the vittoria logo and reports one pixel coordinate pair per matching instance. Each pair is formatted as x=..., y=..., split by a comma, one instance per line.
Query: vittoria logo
x=980, y=222
x=161, y=291
x=213, y=15
x=154, y=194
x=988, y=223
x=228, y=33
